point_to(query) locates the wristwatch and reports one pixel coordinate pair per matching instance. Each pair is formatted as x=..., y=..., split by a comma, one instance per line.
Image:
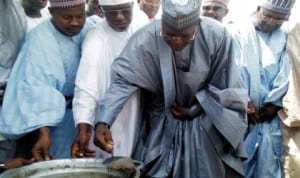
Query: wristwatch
x=2, y=167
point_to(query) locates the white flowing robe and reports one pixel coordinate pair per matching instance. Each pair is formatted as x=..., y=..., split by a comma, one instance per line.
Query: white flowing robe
x=290, y=113
x=100, y=47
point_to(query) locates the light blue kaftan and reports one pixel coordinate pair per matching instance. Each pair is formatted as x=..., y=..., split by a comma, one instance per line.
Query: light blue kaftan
x=265, y=69
x=210, y=144
x=42, y=76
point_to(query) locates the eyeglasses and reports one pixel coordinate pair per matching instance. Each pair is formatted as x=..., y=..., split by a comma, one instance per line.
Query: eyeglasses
x=125, y=11
x=269, y=17
x=183, y=38
x=213, y=8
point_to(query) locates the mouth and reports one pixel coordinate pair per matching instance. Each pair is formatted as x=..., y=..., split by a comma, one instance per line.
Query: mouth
x=121, y=26
x=74, y=31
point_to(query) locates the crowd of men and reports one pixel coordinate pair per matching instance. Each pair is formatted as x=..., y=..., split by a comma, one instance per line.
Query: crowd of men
x=165, y=82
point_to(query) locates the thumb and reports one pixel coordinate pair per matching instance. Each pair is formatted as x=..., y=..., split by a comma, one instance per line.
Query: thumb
x=74, y=150
x=29, y=161
x=46, y=154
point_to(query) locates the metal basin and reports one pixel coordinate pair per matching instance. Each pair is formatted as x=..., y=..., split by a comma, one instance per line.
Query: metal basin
x=67, y=168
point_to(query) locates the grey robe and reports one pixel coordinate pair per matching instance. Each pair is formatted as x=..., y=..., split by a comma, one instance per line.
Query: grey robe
x=211, y=143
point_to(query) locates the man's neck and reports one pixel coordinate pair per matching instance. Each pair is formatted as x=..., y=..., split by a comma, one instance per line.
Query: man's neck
x=34, y=13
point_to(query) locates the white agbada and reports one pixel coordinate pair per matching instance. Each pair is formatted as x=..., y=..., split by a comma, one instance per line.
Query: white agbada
x=100, y=47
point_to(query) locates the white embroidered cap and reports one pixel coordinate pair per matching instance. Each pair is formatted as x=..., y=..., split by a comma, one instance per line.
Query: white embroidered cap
x=113, y=2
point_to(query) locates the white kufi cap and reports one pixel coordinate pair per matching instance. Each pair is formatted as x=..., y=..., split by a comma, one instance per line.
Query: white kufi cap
x=113, y=2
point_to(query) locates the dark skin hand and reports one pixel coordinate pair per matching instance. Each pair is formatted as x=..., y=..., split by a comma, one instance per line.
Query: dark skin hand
x=252, y=112
x=268, y=112
x=40, y=150
x=103, y=138
x=264, y=114
x=80, y=146
x=179, y=112
x=183, y=113
x=17, y=162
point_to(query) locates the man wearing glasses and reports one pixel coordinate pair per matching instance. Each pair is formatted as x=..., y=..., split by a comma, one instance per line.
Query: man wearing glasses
x=102, y=45
x=265, y=68
x=194, y=103
x=216, y=9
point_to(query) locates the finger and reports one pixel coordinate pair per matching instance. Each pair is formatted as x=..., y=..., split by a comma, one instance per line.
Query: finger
x=108, y=137
x=109, y=147
x=90, y=153
x=99, y=141
x=175, y=112
x=47, y=157
x=74, y=150
x=29, y=161
x=79, y=154
x=109, y=141
x=37, y=156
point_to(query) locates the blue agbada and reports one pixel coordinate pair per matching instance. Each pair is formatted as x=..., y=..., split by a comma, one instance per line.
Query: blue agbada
x=209, y=144
x=43, y=75
x=265, y=70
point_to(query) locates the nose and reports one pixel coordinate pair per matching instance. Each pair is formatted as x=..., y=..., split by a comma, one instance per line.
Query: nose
x=177, y=43
x=74, y=21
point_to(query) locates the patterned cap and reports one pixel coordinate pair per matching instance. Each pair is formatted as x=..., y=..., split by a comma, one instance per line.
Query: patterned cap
x=66, y=3
x=180, y=14
x=113, y=2
x=279, y=6
x=225, y=2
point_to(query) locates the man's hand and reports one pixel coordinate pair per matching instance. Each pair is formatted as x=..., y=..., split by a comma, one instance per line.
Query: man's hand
x=17, y=162
x=103, y=138
x=268, y=112
x=40, y=150
x=183, y=113
x=252, y=112
x=80, y=146
x=180, y=112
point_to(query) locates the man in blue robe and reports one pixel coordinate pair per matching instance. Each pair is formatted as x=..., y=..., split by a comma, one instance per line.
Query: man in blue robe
x=194, y=98
x=12, y=32
x=40, y=89
x=265, y=69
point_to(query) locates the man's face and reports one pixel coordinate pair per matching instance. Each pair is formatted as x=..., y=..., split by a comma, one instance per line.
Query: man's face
x=118, y=16
x=150, y=7
x=35, y=4
x=268, y=21
x=68, y=21
x=214, y=10
x=178, y=40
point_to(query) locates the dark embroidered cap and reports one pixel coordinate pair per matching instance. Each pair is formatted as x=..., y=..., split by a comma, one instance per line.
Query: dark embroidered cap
x=180, y=14
x=279, y=6
x=66, y=3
